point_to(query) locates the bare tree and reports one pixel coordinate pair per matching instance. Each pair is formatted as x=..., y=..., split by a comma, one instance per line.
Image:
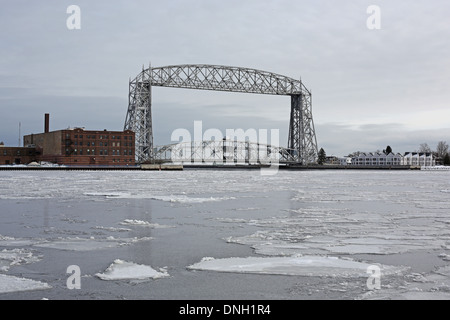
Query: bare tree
x=425, y=148
x=442, y=149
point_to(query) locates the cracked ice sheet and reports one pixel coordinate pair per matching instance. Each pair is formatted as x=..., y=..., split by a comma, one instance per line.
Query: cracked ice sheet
x=13, y=284
x=80, y=244
x=16, y=257
x=316, y=230
x=15, y=242
x=431, y=286
x=317, y=266
x=132, y=222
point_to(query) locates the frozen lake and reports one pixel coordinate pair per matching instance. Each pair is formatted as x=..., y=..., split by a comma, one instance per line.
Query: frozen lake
x=234, y=234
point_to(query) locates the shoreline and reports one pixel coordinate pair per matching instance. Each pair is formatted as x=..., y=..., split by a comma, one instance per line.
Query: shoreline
x=207, y=167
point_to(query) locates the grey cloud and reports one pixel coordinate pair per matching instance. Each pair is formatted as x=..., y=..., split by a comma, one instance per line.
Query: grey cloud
x=355, y=74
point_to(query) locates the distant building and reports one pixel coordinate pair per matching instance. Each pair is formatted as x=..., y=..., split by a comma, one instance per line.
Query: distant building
x=422, y=159
x=83, y=147
x=377, y=159
x=16, y=155
x=333, y=160
x=345, y=161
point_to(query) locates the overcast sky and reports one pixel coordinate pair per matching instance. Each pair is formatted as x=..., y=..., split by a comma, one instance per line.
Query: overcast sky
x=371, y=88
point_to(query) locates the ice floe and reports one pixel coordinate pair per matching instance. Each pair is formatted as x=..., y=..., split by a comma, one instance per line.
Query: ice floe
x=124, y=270
x=318, y=266
x=133, y=222
x=10, y=283
x=17, y=242
x=89, y=244
x=114, y=229
x=16, y=257
x=167, y=198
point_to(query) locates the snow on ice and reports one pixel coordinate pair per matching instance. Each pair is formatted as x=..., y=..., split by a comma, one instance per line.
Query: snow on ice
x=13, y=284
x=84, y=244
x=124, y=270
x=133, y=222
x=316, y=266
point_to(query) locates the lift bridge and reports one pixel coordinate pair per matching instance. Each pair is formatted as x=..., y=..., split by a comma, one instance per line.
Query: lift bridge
x=302, y=143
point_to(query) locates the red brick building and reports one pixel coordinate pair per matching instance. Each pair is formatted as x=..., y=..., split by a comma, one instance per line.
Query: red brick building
x=83, y=147
x=17, y=155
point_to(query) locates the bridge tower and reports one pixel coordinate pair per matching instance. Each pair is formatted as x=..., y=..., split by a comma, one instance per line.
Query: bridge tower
x=302, y=134
x=139, y=115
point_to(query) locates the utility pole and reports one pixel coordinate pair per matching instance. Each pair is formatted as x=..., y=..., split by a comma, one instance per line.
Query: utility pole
x=19, y=134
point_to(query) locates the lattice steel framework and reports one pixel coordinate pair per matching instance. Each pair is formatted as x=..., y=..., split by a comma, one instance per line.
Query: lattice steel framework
x=302, y=138
x=222, y=152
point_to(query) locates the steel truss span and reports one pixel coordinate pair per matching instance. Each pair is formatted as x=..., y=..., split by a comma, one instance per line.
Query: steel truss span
x=223, y=151
x=302, y=138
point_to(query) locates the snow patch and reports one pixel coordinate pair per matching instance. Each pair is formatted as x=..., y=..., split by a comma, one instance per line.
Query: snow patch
x=131, y=222
x=111, y=229
x=16, y=242
x=317, y=266
x=444, y=256
x=171, y=198
x=13, y=284
x=124, y=270
x=15, y=257
x=81, y=244
x=186, y=199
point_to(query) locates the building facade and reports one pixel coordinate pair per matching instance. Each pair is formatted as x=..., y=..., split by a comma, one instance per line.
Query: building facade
x=377, y=159
x=422, y=159
x=84, y=147
x=17, y=155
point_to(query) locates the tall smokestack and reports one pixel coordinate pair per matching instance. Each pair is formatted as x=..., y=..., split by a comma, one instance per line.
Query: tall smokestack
x=47, y=123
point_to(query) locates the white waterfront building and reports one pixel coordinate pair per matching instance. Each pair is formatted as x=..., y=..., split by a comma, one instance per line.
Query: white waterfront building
x=419, y=159
x=377, y=159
